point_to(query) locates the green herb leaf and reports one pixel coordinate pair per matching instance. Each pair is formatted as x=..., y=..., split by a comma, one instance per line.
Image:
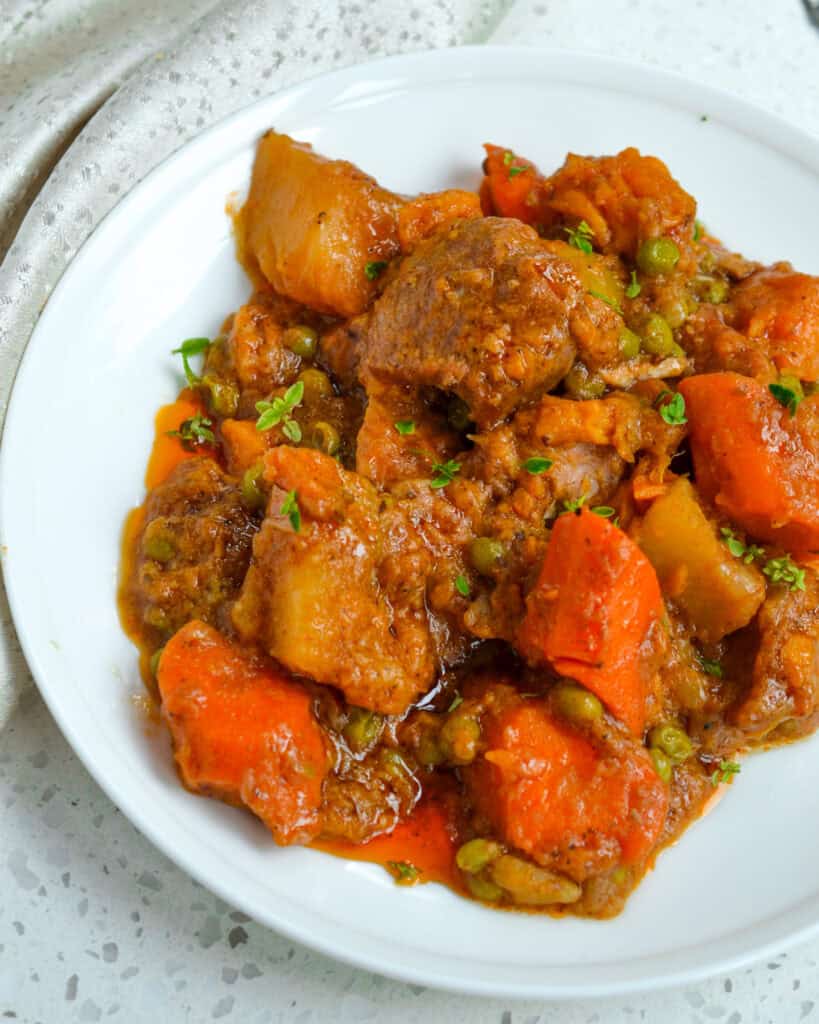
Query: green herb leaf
x=726, y=772
x=783, y=570
x=290, y=508
x=789, y=394
x=581, y=237
x=191, y=347
x=747, y=552
x=508, y=157
x=633, y=287
x=673, y=411
x=515, y=171
x=457, y=700
x=405, y=427
x=403, y=872
x=462, y=586
x=445, y=473
x=699, y=230
x=279, y=411
x=374, y=269
x=194, y=432
x=713, y=668
x=536, y=466
x=574, y=504
x=606, y=511
x=609, y=302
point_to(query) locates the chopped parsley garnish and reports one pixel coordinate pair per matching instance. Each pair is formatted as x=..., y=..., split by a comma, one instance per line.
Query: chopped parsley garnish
x=725, y=773
x=290, y=508
x=747, y=552
x=194, y=432
x=615, y=305
x=699, y=230
x=703, y=118
x=673, y=411
x=788, y=392
x=374, y=269
x=509, y=162
x=633, y=287
x=280, y=410
x=462, y=586
x=403, y=872
x=782, y=570
x=515, y=171
x=457, y=700
x=191, y=347
x=445, y=473
x=712, y=668
x=606, y=511
x=574, y=504
x=537, y=465
x=405, y=427
x=580, y=237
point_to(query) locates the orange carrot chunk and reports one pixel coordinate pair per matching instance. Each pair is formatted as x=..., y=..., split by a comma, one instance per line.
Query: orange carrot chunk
x=590, y=613
x=548, y=791
x=754, y=460
x=511, y=186
x=243, y=732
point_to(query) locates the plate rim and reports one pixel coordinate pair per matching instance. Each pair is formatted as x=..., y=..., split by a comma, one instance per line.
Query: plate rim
x=571, y=66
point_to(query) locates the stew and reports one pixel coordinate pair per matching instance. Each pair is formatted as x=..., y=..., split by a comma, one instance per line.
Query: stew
x=484, y=538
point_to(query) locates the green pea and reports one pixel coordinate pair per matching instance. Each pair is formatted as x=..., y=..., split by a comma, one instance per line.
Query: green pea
x=316, y=385
x=486, y=555
x=153, y=664
x=459, y=738
x=302, y=340
x=576, y=702
x=223, y=397
x=483, y=889
x=672, y=741
x=713, y=289
x=325, y=437
x=158, y=547
x=658, y=256
x=428, y=751
x=629, y=344
x=457, y=414
x=362, y=728
x=662, y=764
x=583, y=385
x=473, y=856
x=658, y=339
x=253, y=497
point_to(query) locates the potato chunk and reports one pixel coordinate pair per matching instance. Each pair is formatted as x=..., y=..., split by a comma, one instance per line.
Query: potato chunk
x=314, y=599
x=717, y=592
x=312, y=225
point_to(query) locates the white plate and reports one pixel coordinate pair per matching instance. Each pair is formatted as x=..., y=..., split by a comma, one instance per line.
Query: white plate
x=161, y=268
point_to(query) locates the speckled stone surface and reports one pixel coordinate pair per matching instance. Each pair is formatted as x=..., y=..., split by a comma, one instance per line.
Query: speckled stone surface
x=95, y=924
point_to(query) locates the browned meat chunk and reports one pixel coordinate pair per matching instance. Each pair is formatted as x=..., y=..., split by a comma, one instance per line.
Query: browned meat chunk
x=482, y=311
x=194, y=549
x=785, y=682
x=313, y=225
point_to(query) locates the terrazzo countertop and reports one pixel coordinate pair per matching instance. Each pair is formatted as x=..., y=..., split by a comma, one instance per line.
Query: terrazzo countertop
x=95, y=923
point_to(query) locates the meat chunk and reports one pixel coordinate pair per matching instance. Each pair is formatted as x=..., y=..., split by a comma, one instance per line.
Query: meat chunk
x=194, y=549
x=482, y=311
x=571, y=802
x=243, y=732
x=625, y=199
x=312, y=225
x=314, y=598
x=714, y=345
x=785, y=681
x=369, y=797
x=754, y=460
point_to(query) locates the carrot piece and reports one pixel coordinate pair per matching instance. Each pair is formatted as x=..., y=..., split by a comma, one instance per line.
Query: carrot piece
x=168, y=451
x=595, y=601
x=511, y=186
x=244, y=445
x=243, y=732
x=550, y=792
x=756, y=462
